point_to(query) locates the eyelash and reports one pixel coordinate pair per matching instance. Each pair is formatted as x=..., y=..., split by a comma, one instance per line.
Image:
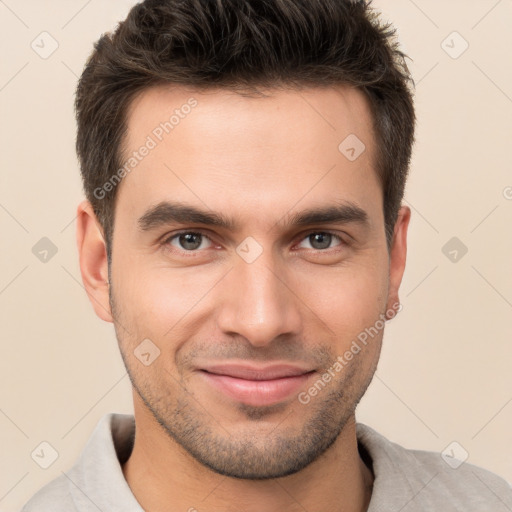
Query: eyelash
x=192, y=253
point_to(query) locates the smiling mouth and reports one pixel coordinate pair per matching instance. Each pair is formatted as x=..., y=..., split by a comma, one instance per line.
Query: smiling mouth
x=257, y=386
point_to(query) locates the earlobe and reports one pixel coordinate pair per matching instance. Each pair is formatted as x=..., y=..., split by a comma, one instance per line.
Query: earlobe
x=93, y=260
x=398, y=256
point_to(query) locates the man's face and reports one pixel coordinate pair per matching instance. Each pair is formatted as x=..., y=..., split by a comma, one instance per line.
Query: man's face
x=262, y=292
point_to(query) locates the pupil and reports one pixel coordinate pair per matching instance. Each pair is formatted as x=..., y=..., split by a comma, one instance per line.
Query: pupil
x=324, y=240
x=187, y=240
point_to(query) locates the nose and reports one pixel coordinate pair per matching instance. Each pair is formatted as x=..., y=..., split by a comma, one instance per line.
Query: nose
x=258, y=303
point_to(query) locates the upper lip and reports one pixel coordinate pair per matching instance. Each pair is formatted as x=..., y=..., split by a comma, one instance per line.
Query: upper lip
x=250, y=372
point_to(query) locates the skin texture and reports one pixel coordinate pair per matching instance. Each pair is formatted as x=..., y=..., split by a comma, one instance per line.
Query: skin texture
x=258, y=161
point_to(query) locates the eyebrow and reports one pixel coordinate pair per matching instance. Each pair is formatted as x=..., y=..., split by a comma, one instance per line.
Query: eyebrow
x=165, y=213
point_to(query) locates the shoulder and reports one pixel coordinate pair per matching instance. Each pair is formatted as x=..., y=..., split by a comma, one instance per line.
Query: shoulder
x=461, y=482
x=53, y=497
x=418, y=478
x=95, y=480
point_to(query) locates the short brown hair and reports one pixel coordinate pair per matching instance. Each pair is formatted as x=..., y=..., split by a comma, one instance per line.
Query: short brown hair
x=243, y=45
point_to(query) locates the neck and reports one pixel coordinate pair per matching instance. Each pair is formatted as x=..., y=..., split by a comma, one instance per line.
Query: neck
x=163, y=476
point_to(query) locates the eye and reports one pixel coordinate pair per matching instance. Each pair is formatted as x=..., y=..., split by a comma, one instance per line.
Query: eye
x=321, y=240
x=193, y=241
x=188, y=241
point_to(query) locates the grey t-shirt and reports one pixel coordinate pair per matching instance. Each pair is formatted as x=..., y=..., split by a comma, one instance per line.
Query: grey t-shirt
x=405, y=480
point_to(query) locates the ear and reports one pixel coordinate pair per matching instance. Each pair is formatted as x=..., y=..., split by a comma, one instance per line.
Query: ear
x=93, y=260
x=398, y=255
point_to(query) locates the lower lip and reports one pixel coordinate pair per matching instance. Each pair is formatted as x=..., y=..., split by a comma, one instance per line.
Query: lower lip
x=257, y=392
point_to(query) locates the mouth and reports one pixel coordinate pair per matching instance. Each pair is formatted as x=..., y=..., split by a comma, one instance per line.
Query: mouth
x=256, y=386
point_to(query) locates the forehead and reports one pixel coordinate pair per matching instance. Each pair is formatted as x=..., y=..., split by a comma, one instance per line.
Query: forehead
x=265, y=153
x=325, y=113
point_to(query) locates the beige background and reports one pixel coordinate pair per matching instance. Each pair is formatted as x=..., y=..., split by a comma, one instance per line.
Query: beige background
x=445, y=370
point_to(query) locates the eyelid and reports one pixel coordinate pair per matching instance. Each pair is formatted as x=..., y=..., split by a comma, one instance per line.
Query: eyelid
x=166, y=239
x=307, y=234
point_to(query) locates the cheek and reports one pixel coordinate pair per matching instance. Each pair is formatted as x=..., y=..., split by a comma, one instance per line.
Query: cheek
x=347, y=299
x=155, y=299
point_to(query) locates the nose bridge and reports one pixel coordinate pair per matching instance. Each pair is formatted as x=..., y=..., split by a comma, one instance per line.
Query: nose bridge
x=258, y=303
